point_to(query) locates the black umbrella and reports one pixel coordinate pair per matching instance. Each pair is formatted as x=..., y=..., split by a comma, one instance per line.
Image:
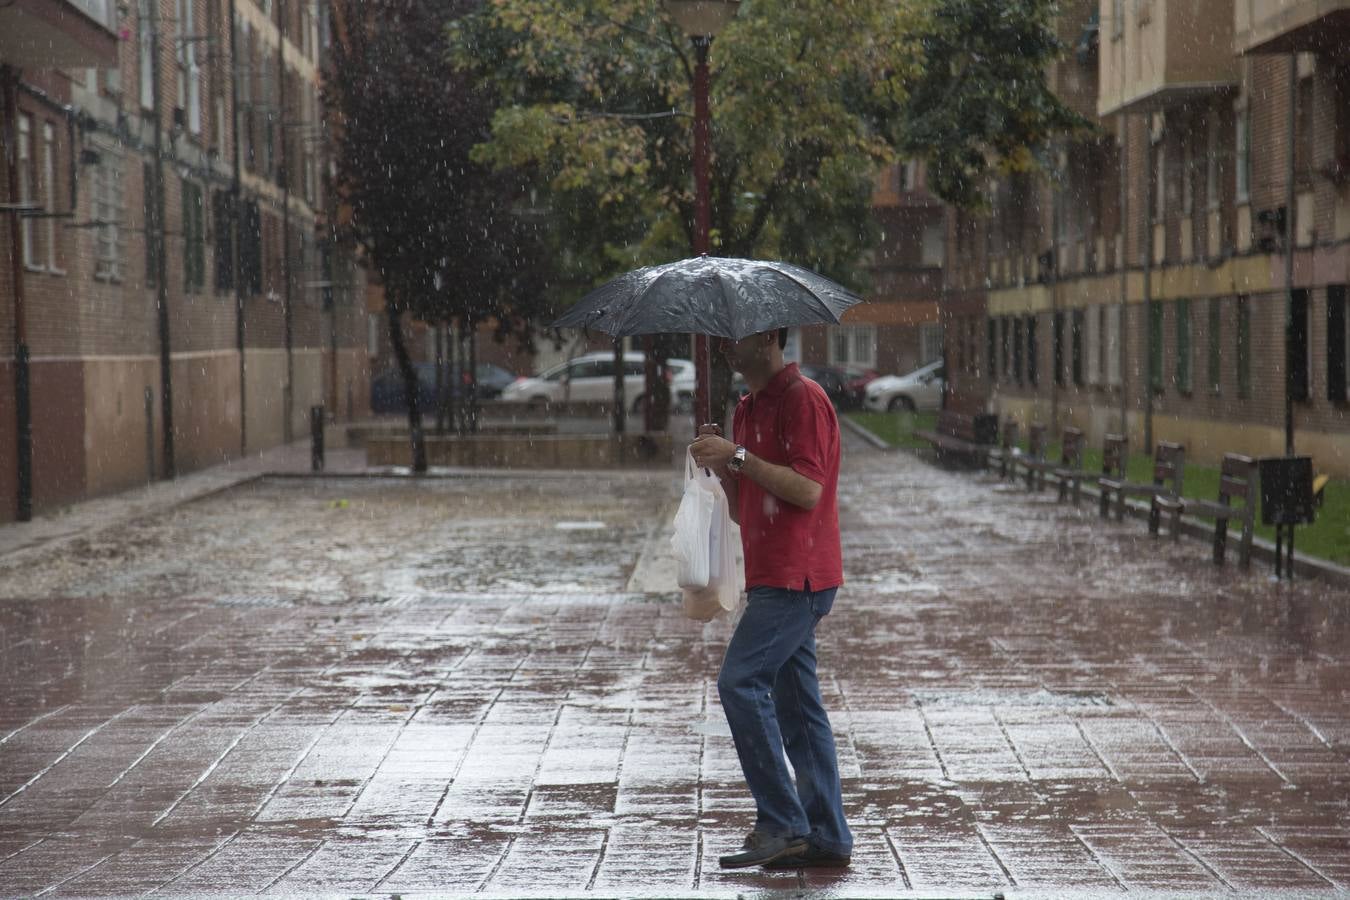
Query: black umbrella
x=710, y=295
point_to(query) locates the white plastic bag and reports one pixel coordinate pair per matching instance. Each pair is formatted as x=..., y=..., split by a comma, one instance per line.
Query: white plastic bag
x=704, y=546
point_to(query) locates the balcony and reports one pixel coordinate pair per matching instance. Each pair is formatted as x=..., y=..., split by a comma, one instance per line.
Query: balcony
x=1155, y=53
x=1292, y=26
x=52, y=34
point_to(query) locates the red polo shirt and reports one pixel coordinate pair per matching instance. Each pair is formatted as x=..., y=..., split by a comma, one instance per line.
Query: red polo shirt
x=790, y=422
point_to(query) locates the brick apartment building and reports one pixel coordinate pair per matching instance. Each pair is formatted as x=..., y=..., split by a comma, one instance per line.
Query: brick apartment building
x=1150, y=297
x=257, y=328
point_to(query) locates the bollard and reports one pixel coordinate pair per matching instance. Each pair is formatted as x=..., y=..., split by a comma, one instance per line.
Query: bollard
x=316, y=438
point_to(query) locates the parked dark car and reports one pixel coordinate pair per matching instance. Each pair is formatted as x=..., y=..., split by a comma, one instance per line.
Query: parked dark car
x=387, y=396
x=844, y=386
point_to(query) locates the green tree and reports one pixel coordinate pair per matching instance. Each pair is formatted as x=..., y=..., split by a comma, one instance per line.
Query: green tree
x=443, y=231
x=980, y=102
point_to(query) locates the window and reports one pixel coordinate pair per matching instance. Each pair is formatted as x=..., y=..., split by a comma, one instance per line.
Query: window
x=1005, y=327
x=1243, y=139
x=149, y=215
x=222, y=222
x=1033, y=374
x=1113, y=345
x=991, y=342
x=934, y=244
x=1183, y=327
x=26, y=231
x=189, y=73
x=1155, y=346
x=1017, y=349
x=1057, y=350
x=373, y=321
x=1297, y=345
x=930, y=344
x=1212, y=162
x=250, y=248
x=194, y=238
x=1244, y=348
x=1094, y=347
x=1160, y=177
x=1187, y=171
x=1215, y=343
x=108, y=238
x=856, y=345
x=1337, y=338
x=147, y=69
x=49, y=193
x=1077, y=328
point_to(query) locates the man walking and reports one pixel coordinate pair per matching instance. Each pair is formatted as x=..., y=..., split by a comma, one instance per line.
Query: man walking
x=781, y=473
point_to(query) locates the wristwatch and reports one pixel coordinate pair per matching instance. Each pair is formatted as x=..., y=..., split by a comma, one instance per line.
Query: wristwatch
x=737, y=461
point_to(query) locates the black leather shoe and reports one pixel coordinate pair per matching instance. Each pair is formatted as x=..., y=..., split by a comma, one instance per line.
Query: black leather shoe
x=760, y=850
x=812, y=858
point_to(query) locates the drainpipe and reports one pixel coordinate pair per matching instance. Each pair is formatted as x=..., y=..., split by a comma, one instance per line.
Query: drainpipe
x=1148, y=288
x=1290, y=124
x=155, y=234
x=1123, y=124
x=22, y=396
x=283, y=170
x=236, y=232
x=1054, y=293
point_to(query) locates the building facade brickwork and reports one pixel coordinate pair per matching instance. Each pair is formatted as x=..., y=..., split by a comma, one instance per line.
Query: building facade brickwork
x=1173, y=328
x=80, y=134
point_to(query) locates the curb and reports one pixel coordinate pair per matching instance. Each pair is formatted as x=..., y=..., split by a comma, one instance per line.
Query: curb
x=866, y=435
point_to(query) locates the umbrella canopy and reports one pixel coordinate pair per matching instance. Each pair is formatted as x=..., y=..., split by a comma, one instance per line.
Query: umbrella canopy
x=711, y=295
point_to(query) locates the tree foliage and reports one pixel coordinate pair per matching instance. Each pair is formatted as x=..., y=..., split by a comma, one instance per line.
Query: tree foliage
x=597, y=103
x=445, y=232
x=980, y=102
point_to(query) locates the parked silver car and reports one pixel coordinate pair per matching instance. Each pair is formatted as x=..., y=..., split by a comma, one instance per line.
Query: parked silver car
x=920, y=389
x=588, y=378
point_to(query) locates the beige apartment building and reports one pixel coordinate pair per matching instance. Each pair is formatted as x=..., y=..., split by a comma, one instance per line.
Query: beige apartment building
x=1143, y=288
x=224, y=311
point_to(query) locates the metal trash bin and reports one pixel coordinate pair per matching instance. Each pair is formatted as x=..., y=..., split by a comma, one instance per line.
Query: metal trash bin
x=1286, y=501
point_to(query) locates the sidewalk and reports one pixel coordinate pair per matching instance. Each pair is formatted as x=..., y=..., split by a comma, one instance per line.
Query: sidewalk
x=466, y=686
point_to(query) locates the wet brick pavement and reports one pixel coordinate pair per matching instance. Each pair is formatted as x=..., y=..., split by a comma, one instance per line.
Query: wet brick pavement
x=451, y=689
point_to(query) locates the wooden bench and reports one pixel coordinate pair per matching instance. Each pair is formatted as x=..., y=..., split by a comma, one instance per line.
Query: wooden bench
x=1070, y=459
x=1169, y=463
x=962, y=434
x=1003, y=455
x=1114, y=454
x=1237, y=479
x=1035, y=454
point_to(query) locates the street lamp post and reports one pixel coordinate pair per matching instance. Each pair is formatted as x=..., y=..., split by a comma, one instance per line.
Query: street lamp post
x=701, y=20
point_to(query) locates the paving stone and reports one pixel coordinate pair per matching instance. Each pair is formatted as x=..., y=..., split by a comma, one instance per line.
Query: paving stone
x=1021, y=700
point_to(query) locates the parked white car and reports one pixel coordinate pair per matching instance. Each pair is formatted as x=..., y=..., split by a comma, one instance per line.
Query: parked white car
x=920, y=389
x=588, y=378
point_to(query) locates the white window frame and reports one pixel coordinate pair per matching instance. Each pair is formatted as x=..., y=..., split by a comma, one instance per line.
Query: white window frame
x=49, y=193
x=1093, y=337
x=1212, y=163
x=189, y=72
x=108, y=208
x=853, y=345
x=930, y=343
x=1242, y=182
x=147, y=68
x=1112, y=329
x=28, y=237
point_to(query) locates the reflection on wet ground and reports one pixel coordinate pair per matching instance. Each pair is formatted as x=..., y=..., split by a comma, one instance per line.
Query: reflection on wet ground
x=375, y=687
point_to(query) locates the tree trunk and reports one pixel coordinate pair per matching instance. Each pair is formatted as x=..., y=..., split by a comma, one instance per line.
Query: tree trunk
x=472, y=381
x=441, y=387
x=405, y=365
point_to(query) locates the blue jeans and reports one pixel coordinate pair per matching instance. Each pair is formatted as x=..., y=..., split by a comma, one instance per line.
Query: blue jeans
x=772, y=702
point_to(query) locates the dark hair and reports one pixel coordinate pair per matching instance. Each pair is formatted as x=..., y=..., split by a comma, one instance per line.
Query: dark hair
x=782, y=338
